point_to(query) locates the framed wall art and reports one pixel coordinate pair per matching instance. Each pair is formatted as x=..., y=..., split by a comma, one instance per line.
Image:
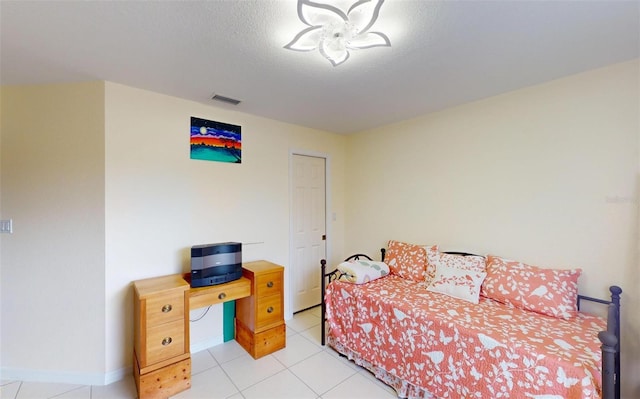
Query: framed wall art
x=215, y=141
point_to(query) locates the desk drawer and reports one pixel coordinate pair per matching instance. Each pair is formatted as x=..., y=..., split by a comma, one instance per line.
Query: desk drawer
x=268, y=311
x=205, y=296
x=165, y=308
x=165, y=341
x=268, y=284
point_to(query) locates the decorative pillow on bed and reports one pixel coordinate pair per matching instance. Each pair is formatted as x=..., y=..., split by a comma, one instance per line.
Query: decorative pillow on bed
x=437, y=259
x=408, y=261
x=362, y=271
x=552, y=292
x=458, y=283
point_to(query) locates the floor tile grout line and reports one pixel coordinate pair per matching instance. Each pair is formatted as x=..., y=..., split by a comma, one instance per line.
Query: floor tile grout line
x=334, y=386
x=217, y=364
x=341, y=381
x=302, y=381
x=18, y=390
x=227, y=361
x=266, y=378
x=232, y=382
x=71, y=390
x=309, y=340
x=204, y=370
x=298, y=362
x=286, y=368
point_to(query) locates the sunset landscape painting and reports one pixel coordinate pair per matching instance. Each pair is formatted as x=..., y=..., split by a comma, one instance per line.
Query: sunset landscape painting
x=215, y=141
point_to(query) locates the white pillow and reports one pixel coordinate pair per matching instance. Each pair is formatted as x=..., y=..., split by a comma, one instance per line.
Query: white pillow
x=362, y=271
x=457, y=283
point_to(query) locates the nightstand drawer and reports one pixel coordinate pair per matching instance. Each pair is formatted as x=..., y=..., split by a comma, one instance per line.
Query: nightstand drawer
x=165, y=308
x=268, y=311
x=165, y=341
x=261, y=343
x=163, y=382
x=268, y=283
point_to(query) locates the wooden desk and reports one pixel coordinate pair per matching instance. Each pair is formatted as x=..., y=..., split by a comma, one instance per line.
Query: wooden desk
x=162, y=361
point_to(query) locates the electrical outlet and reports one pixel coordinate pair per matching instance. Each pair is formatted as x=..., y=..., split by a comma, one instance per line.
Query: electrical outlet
x=6, y=226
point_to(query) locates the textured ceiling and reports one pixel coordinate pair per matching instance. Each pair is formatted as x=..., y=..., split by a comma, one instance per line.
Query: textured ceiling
x=442, y=53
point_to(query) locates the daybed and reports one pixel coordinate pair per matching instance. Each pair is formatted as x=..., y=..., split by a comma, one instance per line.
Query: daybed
x=442, y=343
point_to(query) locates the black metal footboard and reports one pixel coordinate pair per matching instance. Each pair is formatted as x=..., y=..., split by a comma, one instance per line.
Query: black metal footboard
x=326, y=279
x=610, y=343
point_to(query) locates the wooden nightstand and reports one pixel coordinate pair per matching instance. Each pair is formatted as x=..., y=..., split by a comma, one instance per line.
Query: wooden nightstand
x=260, y=327
x=161, y=362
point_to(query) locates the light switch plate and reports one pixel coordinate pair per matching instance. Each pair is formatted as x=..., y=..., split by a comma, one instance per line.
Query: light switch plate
x=6, y=226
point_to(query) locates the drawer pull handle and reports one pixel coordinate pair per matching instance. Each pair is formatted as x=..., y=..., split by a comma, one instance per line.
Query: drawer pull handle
x=222, y=295
x=270, y=284
x=167, y=308
x=270, y=309
x=167, y=341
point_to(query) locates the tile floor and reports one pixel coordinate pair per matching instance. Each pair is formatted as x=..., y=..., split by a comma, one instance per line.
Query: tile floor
x=304, y=369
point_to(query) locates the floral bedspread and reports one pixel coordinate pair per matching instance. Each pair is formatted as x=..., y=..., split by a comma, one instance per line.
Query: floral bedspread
x=444, y=347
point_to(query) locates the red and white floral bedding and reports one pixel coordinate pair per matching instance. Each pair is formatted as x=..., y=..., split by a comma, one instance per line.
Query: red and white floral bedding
x=429, y=345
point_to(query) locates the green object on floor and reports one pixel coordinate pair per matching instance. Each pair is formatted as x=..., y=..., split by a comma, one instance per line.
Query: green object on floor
x=228, y=317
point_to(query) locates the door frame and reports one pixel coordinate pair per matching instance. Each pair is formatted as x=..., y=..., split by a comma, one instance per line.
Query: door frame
x=288, y=303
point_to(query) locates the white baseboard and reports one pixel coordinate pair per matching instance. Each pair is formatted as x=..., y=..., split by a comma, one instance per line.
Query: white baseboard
x=206, y=344
x=63, y=377
x=79, y=378
x=117, y=375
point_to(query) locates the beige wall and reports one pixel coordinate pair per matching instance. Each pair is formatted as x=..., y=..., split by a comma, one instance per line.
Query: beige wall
x=52, y=266
x=98, y=181
x=546, y=175
x=159, y=202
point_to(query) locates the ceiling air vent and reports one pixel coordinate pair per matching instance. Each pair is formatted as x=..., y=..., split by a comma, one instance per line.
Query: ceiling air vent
x=224, y=99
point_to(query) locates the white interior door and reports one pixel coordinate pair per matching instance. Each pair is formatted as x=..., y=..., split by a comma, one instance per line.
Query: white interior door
x=308, y=228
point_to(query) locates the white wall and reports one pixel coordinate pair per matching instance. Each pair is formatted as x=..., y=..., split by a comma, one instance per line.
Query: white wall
x=98, y=181
x=52, y=267
x=545, y=175
x=159, y=202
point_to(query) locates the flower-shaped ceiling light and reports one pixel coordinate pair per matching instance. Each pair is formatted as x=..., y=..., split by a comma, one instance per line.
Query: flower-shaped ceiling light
x=334, y=33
